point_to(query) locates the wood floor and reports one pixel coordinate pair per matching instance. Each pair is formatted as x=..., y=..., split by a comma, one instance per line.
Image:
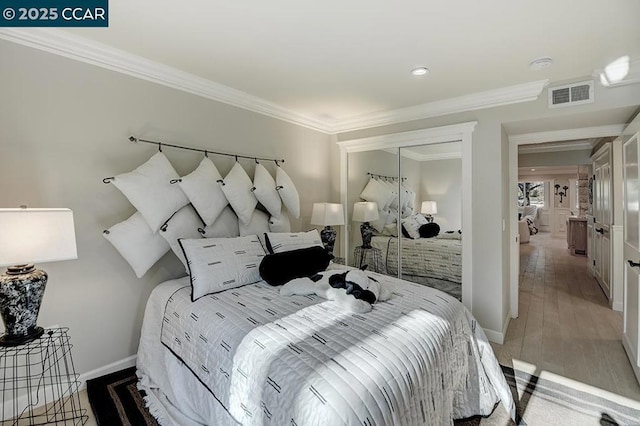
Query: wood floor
x=565, y=325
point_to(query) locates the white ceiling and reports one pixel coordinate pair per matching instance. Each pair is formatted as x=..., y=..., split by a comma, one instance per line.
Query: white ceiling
x=334, y=60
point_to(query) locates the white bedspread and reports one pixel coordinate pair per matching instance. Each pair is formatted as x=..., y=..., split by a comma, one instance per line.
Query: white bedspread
x=253, y=356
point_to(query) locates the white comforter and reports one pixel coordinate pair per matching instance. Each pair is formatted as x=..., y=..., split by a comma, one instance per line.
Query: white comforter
x=255, y=357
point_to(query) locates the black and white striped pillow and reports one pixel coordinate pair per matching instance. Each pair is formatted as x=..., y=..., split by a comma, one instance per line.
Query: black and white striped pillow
x=217, y=264
x=278, y=242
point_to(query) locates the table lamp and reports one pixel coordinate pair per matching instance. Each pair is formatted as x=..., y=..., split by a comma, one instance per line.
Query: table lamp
x=365, y=212
x=327, y=214
x=429, y=208
x=29, y=236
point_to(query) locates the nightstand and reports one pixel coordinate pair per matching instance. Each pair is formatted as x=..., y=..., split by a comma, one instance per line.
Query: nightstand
x=40, y=374
x=369, y=256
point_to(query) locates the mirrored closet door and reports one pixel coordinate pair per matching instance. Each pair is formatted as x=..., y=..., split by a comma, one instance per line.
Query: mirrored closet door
x=404, y=212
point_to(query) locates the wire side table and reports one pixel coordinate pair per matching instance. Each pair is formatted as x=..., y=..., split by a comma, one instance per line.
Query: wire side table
x=369, y=256
x=40, y=374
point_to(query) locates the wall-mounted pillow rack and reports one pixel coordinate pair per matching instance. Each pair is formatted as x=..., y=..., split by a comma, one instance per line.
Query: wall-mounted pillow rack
x=374, y=175
x=206, y=153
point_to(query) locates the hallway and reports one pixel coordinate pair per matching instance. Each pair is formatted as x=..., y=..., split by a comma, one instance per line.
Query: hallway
x=565, y=325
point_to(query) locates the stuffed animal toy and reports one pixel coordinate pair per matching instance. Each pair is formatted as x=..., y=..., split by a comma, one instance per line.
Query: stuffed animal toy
x=353, y=290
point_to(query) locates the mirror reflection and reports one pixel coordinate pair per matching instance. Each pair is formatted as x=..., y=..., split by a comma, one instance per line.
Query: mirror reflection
x=415, y=193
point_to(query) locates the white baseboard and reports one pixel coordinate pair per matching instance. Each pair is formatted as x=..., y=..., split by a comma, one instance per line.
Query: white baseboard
x=127, y=362
x=617, y=306
x=498, y=336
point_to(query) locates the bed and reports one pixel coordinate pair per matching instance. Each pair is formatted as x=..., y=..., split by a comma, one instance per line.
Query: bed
x=248, y=355
x=437, y=258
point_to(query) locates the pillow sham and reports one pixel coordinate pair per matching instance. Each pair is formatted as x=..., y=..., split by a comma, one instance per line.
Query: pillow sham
x=412, y=225
x=237, y=188
x=278, y=242
x=288, y=192
x=217, y=264
x=395, y=200
x=225, y=226
x=184, y=224
x=258, y=225
x=203, y=190
x=280, y=268
x=450, y=235
x=280, y=224
x=149, y=189
x=265, y=190
x=377, y=192
x=135, y=241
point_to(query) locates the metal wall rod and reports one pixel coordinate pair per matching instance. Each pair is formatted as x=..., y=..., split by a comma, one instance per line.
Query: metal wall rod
x=374, y=175
x=205, y=151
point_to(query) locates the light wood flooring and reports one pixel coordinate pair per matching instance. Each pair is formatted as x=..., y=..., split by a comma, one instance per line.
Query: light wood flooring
x=565, y=325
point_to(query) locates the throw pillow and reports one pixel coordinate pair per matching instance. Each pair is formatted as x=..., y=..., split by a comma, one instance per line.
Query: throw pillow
x=135, y=241
x=280, y=268
x=225, y=226
x=217, y=264
x=149, y=189
x=202, y=187
x=237, y=188
x=288, y=192
x=184, y=224
x=287, y=241
x=265, y=191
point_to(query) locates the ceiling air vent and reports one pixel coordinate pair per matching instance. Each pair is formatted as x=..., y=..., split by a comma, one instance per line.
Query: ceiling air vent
x=571, y=94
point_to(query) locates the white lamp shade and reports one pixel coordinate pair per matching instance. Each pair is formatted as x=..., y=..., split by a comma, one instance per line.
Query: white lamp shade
x=429, y=207
x=327, y=214
x=364, y=211
x=36, y=236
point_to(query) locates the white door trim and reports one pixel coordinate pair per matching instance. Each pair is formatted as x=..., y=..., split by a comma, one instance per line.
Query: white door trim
x=529, y=139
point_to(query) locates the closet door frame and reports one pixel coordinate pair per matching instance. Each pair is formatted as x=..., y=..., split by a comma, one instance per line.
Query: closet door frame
x=454, y=133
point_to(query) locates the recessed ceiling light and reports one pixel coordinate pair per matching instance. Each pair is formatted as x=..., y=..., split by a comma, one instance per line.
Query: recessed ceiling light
x=540, y=63
x=420, y=71
x=533, y=170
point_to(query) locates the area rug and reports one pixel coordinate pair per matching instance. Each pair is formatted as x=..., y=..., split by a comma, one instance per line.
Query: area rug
x=547, y=400
x=551, y=399
x=116, y=400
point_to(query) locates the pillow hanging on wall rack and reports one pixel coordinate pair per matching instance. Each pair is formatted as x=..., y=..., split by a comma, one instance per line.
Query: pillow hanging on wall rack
x=149, y=189
x=204, y=192
x=237, y=187
x=265, y=190
x=288, y=192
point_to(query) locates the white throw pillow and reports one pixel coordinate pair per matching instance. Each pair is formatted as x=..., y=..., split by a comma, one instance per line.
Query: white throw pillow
x=184, y=224
x=280, y=224
x=395, y=200
x=412, y=225
x=149, y=189
x=265, y=191
x=202, y=187
x=135, y=241
x=288, y=192
x=278, y=242
x=225, y=226
x=237, y=187
x=217, y=264
x=378, y=192
x=380, y=223
x=258, y=225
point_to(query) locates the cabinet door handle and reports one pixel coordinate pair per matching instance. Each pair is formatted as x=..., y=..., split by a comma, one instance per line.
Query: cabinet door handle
x=600, y=231
x=633, y=264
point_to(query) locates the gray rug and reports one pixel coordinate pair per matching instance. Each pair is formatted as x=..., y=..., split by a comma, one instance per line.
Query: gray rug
x=555, y=400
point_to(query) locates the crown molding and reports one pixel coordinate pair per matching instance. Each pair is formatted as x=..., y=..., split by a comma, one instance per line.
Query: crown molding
x=98, y=54
x=480, y=100
x=567, y=134
x=564, y=146
x=94, y=53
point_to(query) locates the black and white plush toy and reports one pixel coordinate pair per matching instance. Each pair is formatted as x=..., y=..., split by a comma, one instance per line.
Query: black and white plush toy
x=353, y=290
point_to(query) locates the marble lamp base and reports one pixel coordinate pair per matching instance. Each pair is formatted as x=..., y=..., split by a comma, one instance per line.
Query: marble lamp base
x=366, y=231
x=328, y=237
x=21, y=292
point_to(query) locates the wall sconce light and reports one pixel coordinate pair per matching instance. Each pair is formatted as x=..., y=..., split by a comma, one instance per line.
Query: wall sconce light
x=556, y=186
x=562, y=193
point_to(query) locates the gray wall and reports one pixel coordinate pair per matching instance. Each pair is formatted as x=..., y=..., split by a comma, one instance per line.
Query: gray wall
x=441, y=181
x=64, y=126
x=491, y=243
